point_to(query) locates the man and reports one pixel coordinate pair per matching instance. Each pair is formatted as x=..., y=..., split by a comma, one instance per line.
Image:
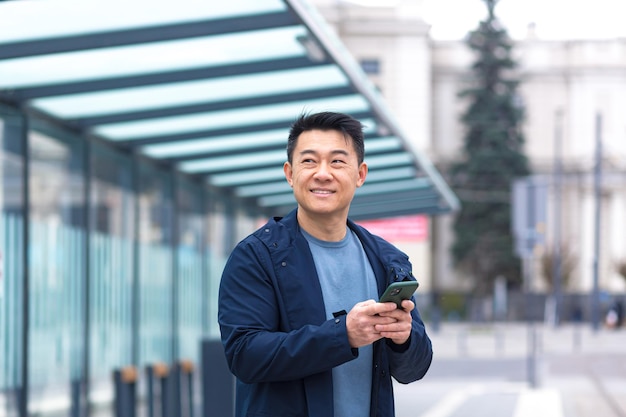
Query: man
x=300, y=326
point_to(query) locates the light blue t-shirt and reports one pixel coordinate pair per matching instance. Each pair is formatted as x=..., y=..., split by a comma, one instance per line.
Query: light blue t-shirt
x=346, y=278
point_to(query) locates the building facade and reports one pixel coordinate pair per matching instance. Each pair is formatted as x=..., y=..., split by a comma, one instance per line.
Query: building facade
x=566, y=87
x=573, y=92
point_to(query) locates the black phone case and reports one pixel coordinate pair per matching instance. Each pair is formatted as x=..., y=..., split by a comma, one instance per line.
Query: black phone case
x=398, y=291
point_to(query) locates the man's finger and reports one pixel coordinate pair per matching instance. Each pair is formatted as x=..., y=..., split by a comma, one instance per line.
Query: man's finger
x=408, y=305
x=377, y=308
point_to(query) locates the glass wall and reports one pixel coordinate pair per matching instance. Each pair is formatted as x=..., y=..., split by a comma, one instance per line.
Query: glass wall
x=111, y=265
x=11, y=261
x=56, y=271
x=220, y=224
x=107, y=260
x=191, y=289
x=155, y=266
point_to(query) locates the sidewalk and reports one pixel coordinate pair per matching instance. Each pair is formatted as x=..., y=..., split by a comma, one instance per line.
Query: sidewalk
x=515, y=370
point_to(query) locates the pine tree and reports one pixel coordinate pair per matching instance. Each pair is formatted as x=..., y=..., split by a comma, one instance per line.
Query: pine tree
x=492, y=158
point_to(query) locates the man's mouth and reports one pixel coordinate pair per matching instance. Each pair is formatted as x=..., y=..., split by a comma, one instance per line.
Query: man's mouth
x=316, y=191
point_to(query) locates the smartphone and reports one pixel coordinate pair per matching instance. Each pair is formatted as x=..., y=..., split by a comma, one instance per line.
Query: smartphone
x=398, y=291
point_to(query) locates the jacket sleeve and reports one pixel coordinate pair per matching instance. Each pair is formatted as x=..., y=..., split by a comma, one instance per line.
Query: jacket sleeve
x=410, y=362
x=257, y=344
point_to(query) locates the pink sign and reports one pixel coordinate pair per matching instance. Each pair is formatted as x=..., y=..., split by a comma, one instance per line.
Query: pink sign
x=399, y=229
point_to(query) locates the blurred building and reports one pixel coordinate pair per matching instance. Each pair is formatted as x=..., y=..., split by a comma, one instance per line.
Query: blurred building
x=565, y=86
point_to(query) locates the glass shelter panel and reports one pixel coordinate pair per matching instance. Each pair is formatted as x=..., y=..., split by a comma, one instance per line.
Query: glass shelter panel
x=190, y=285
x=11, y=262
x=56, y=261
x=155, y=266
x=220, y=225
x=111, y=269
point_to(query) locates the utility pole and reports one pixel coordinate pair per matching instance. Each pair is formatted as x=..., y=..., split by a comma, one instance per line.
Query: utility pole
x=595, y=297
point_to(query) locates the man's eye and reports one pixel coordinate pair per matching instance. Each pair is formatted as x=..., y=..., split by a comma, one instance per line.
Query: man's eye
x=338, y=161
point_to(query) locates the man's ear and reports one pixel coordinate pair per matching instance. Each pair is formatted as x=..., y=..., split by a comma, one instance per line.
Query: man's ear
x=288, y=173
x=362, y=174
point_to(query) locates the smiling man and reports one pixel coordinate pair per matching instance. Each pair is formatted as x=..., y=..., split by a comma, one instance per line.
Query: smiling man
x=301, y=326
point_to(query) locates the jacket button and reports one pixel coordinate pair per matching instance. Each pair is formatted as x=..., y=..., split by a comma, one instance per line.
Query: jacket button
x=267, y=230
x=284, y=263
x=337, y=321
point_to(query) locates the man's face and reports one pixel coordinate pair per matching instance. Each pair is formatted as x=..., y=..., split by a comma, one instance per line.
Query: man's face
x=324, y=173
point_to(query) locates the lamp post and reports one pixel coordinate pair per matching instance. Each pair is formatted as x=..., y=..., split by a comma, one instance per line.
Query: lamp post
x=558, y=173
x=595, y=296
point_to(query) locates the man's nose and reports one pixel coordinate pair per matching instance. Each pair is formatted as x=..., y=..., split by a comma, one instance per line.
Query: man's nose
x=323, y=171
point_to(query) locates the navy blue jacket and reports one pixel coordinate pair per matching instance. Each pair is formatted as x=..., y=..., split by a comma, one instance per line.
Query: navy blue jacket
x=277, y=340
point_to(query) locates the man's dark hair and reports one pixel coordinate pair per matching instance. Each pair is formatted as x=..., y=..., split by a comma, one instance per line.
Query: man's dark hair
x=351, y=129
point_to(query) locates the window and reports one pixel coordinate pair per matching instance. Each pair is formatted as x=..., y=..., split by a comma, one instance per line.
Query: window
x=371, y=66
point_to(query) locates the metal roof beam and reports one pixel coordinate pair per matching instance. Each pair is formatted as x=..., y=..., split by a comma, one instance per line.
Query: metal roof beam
x=108, y=39
x=159, y=78
x=205, y=134
x=261, y=164
x=212, y=106
x=229, y=152
x=201, y=134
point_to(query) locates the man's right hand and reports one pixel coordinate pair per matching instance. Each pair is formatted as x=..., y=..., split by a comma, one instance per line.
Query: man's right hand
x=361, y=322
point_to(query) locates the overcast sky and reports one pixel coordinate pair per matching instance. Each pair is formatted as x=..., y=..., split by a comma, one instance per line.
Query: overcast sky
x=553, y=19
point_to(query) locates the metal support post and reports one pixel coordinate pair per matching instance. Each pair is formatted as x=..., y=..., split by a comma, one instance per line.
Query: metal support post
x=125, y=384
